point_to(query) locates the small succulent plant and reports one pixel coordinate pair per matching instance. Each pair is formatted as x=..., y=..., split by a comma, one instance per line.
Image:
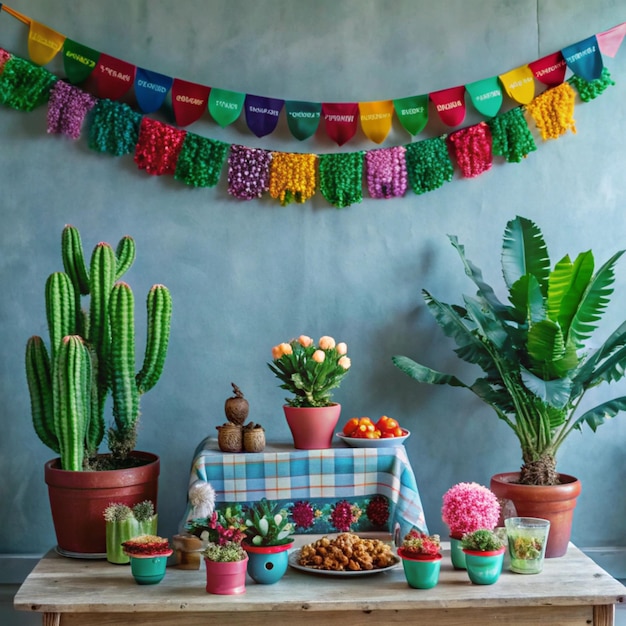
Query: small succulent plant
x=266, y=525
x=224, y=553
x=416, y=542
x=482, y=540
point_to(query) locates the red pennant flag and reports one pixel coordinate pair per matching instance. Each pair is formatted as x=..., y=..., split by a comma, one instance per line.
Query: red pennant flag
x=450, y=104
x=550, y=70
x=189, y=101
x=610, y=40
x=114, y=77
x=341, y=120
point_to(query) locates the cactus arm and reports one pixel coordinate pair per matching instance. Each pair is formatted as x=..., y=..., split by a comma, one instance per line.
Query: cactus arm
x=71, y=373
x=74, y=259
x=60, y=309
x=159, y=306
x=124, y=389
x=40, y=390
x=125, y=255
x=95, y=428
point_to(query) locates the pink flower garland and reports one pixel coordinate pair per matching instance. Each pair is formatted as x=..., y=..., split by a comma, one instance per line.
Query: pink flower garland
x=472, y=148
x=386, y=172
x=67, y=108
x=248, y=172
x=158, y=147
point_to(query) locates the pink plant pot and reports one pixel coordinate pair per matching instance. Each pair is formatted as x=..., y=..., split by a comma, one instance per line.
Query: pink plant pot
x=226, y=579
x=312, y=428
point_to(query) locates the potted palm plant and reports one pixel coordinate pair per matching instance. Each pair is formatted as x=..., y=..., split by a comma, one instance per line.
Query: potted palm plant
x=310, y=372
x=268, y=539
x=536, y=362
x=90, y=355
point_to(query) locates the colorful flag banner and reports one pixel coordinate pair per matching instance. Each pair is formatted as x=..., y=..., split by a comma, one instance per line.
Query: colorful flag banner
x=450, y=104
x=549, y=70
x=43, y=43
x=376, y=119
x=114, y=77
x=262, y=114
x=189, y=101
x=584, y=58
x=151, y=88
x=412, y=113
x=78, y=61
x=225, y=106
x=610, y=40
x=340, y=120
x=486, y=96
x=519, y=84
x=303, y=118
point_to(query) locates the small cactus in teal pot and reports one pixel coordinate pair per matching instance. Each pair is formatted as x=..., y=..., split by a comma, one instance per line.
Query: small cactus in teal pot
x=91, y=353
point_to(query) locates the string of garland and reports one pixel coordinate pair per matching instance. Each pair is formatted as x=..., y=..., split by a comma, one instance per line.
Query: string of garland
x=158, y=147
x=510, y=136
x=341, y=177
x=472, y=149
x=386, y=172
x=588, y=90
x=553, y=111
x=4, y=57
x=114, y=128
x=200, y=161
x=67, y=108
x=24, y=86
x=292, y=177
x=248, y=172
x=428, y=164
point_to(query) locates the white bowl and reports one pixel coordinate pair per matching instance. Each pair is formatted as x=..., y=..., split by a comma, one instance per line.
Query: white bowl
x=387, y=442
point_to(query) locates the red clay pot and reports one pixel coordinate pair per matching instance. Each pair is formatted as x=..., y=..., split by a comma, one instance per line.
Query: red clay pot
x=78, y=500
x=312, y=428
x=555, y=503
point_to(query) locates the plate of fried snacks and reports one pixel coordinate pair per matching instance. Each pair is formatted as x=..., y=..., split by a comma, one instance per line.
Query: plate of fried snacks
x=346, y=554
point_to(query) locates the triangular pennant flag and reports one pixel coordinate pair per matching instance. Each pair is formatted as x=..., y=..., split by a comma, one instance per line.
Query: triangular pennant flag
x=376, y=118
x=114, y=77
x=43, y=43
x=486, y=96
x=225, y=106
x=262, y=114
x=610, y=40
x=519, y=84
x=303, y=118
x=340, y=120
x=584, y=58
x=412, y=113
x=550, y=70
x=151, y=88
x=78, y=61
x=189, y=101
x=450, y=105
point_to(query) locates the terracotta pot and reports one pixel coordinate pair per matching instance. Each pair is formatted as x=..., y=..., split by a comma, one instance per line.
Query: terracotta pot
x=312, y=428
x=78, y=500
x=555, y=503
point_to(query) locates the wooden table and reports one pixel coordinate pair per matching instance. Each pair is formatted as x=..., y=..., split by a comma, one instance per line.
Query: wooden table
x=571, y=590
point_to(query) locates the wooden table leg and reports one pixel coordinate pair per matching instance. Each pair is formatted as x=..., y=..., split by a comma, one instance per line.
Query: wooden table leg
x=604, y=615
x=51, y=619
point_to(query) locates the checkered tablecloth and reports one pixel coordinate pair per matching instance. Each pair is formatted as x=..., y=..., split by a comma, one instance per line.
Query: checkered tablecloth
x=282, y=473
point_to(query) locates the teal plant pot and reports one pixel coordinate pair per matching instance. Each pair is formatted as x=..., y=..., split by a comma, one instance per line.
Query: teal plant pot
x=420, y=573
x=457, y=556
x=267, y=564
x=149, y=570
x=484, y=568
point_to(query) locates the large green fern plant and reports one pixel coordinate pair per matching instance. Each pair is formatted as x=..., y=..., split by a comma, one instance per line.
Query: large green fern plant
x=532, y=349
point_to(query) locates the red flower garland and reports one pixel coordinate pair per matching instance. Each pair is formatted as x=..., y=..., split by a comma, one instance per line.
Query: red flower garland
x=472, y=149
x=158, y=147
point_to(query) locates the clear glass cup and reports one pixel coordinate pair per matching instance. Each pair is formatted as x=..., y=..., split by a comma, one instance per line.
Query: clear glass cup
x=527, y=538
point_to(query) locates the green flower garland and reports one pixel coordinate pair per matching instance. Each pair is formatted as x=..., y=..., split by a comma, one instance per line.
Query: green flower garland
x=511, y=136
x=200, y=161
x=589, y=90
x=114, y=128
x=428, y=164
x=341, y=178
x=24, y=86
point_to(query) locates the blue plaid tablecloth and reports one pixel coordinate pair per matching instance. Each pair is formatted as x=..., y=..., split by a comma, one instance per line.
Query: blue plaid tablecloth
x=319, y=479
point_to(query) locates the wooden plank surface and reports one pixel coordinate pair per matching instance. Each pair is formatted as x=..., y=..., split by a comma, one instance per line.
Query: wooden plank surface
x=61, y=585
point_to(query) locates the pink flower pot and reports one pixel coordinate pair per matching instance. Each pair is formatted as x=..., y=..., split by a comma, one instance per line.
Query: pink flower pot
x=312, y=428
x=226, y=579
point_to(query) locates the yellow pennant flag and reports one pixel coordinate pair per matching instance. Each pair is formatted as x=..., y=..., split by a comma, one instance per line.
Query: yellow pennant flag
x=43, y=43
x=519, y=84
x=376, y=118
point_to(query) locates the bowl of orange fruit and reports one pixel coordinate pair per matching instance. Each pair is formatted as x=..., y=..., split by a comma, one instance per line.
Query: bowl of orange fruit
x=364, y=432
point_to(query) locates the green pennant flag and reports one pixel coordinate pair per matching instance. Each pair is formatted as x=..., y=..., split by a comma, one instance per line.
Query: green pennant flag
x=412, y=113
x=225, y=106
x=486, y=96
x=78, y=61
x=303, y=118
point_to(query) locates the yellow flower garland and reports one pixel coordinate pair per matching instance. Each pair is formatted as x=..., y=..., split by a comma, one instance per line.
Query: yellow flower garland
x=292, y=176
x=553, y=111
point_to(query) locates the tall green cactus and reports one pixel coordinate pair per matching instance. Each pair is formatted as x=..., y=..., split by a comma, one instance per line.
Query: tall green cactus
x=92, y=353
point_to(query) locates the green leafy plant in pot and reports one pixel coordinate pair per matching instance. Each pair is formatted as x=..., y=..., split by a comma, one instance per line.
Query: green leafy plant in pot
x=91, y=354
x=532, y=350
